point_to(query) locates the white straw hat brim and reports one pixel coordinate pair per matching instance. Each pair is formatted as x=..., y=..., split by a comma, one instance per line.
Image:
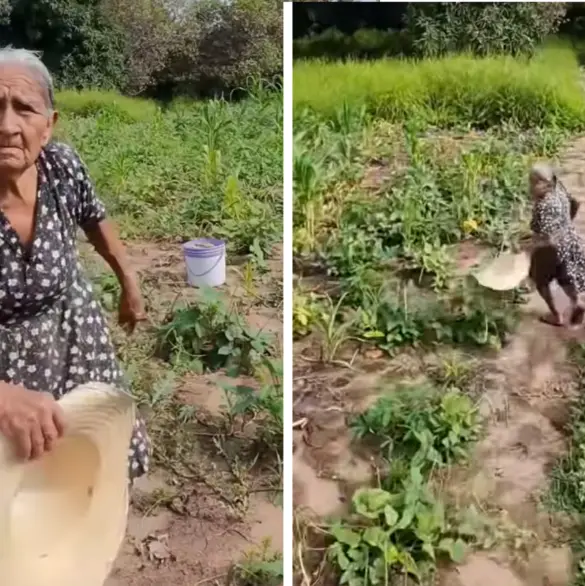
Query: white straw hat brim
x=505, y=272
x=63, y=517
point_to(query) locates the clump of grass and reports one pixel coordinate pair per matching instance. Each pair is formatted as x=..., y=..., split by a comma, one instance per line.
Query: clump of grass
x=567, y=489
x=567, y=485
x=451, y=91
x=263, y=407
x=87, y=103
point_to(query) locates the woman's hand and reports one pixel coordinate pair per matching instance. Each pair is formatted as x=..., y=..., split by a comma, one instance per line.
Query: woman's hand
x=34, y=421
x=131, y=310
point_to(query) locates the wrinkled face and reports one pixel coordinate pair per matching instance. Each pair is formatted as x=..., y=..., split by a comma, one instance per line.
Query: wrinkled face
x=539, y=186
x=26, y=123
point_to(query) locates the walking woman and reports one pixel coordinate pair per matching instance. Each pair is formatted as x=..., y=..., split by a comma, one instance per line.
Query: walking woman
x=558, y=252
x=53, y=334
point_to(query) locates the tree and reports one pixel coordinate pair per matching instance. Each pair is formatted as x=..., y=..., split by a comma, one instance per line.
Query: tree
x=149, y=39
x=79, y=45
x=483, y=28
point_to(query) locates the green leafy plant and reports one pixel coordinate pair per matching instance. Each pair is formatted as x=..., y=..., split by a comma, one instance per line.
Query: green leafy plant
x=208, y=335
x=263, y=406
x=461, y=315
x=258, y=568
x=107, y=290
x=421, y=424
x=306, y=311
x=392, y=533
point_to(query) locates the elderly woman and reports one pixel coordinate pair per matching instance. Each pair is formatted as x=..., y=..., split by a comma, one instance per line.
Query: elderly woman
x=558, y=252
x=53, y=334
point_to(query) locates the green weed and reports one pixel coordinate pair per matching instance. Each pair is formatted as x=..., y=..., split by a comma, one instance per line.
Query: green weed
x=193, y=169
x=406, y=531
x=210, y=335
x=306, y=311
x=88, y=103
x=421, y=424
x=264, y=407
x=258, y=568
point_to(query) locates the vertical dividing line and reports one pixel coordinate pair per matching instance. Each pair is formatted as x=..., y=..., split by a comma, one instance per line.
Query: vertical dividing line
x=287, y=556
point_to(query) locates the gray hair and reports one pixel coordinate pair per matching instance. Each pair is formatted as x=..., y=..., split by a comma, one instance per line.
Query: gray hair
x=31, y=60
x=544, y=172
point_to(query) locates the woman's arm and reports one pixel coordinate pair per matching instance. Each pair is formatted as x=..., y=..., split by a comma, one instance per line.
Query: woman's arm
x=89, y=214
x=104, y=237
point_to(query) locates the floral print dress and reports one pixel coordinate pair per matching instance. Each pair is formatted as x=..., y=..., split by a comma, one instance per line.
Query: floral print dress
x=551, y=217
x=53, y=333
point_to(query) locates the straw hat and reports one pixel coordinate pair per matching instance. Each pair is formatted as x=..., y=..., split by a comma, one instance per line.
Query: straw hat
x=63, y=517
x=505, y=272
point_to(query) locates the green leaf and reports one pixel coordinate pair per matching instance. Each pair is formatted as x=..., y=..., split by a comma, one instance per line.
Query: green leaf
x=458, y=551
x=370, y=502
x=376, y=537
x=391, y=516
x=225, y=350
x=429, y=549
x=345, y=536
x=409, y=564
x=455, y=549
x=342, y=561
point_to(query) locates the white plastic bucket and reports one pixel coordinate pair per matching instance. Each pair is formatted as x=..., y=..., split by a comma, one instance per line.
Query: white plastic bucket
x=205, y=262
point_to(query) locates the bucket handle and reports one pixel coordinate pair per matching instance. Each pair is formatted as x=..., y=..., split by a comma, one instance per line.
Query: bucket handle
x=191, y=274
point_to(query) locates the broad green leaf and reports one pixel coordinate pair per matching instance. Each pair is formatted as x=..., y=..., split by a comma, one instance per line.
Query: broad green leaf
x=345, y=536
x=376, y=537
x=391, y=516
x=370, y=502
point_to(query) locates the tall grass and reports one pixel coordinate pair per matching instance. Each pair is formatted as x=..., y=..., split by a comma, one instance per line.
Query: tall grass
x=543, y=91
x=192, y=169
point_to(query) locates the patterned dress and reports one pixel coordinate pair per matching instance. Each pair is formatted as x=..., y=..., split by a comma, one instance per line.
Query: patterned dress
x=551, y=217
x=53, y=334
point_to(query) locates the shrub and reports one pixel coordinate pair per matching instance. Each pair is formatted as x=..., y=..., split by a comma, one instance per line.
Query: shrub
x=149, y=38
x=483, y=28
x=224, y=45
x=366, y=43
x=206, y=48
x=80, y=45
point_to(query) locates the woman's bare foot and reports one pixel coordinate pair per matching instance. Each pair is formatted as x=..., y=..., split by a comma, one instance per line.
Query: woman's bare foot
x=552, y=319
x=577, y=315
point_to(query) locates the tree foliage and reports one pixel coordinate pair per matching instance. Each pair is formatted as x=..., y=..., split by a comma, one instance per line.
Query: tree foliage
x=148, y=46
x=482, y=28
x=78, y=42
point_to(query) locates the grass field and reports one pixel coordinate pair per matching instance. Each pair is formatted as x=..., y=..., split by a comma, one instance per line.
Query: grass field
x=206, y=370
x=423, y=404
x=458, y=90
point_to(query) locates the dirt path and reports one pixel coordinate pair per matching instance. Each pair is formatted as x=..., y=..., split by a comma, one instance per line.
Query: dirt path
x=526, y=405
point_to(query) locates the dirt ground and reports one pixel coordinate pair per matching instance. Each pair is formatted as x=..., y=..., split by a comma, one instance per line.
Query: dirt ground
x=526, y=391
x=198, y=541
